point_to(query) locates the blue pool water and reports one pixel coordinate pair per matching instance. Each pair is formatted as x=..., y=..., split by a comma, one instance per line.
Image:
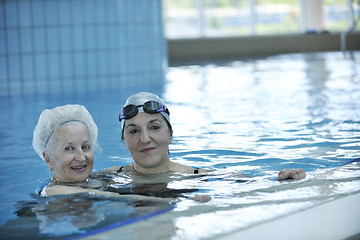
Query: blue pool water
x=251, y=116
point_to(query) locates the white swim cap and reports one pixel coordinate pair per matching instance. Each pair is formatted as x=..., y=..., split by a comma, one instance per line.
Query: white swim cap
x=140, y=98
x=51, y=119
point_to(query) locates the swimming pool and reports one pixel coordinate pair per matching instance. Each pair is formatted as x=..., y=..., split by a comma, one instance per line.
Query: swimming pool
x=250, y=116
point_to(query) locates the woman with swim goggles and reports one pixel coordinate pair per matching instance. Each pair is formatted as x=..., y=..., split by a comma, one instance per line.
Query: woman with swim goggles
x=147, y=133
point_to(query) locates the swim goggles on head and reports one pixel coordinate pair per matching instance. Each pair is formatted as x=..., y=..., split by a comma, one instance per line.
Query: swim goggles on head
x=150, y=107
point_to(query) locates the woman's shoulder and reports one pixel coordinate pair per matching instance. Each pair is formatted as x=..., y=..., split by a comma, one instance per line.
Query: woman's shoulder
x=51, y=190
x=177, y=167
x=64, y=190
x=48, y=189
x=125, y=168
x=113, y=168
x=54, y=188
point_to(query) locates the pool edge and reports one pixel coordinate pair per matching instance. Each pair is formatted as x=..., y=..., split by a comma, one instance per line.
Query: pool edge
x=337, y=219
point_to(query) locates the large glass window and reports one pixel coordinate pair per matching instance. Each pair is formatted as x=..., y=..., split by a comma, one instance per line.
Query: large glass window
x=227, y=18
x=274, y=17
x=336, y=15
x=182, y=18
x=217, y=18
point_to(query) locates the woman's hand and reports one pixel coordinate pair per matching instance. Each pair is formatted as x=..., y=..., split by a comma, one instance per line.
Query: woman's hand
x=295, y=174
x=201, y=198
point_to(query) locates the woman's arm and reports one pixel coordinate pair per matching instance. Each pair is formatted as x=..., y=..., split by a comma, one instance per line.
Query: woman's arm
x=64, y=190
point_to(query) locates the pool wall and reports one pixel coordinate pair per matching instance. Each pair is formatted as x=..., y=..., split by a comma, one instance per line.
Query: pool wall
x=225, y=48
x=80, y=46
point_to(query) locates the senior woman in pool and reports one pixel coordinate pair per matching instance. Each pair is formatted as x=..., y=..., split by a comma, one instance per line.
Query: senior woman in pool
x=64, y=137
x=147, y=133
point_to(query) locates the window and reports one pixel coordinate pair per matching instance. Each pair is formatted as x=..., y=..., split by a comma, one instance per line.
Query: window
x=274, y=17
x=336, y=15
x=182, y=18
x=227, y=18
x=218, y=18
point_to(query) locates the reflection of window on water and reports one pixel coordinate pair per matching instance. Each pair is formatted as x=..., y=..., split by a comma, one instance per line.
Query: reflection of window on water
x=210, y=18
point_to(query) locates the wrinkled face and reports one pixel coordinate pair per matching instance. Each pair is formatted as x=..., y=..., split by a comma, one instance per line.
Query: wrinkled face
x=147, y=137
x=71, y=156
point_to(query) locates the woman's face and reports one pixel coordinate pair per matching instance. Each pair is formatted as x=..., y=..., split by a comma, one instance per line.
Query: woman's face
x=72, y=157
x=147, y=137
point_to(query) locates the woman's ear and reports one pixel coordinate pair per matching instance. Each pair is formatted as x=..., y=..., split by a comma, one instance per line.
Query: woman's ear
x=127, y=148
x=171, y=138
x=47, y=160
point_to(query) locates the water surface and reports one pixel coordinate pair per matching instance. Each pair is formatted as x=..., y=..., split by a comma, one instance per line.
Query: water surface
x=251, y=116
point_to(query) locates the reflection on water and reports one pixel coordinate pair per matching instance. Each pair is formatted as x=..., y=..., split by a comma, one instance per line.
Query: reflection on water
x=252, y=117
x=237, y=202
x=292, y=108
x=238, y=205
x=60, y=216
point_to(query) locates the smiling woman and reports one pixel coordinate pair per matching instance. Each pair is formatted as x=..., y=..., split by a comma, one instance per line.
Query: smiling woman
x=147, y=133
x=71, y=156
x=64, y=137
